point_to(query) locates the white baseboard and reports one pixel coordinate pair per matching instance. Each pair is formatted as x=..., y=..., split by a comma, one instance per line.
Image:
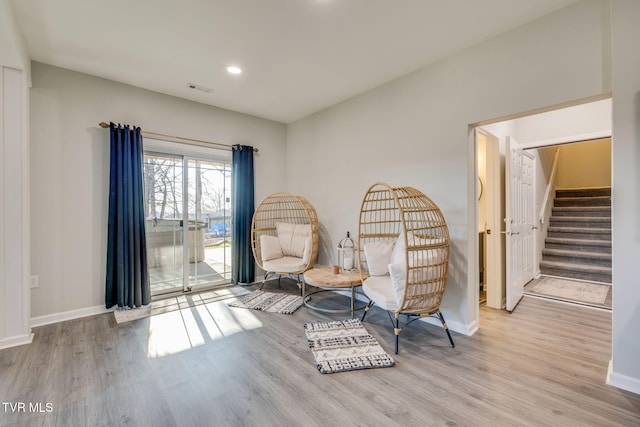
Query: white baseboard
x=16, y=341
x=458, y=327
x=622, y=382
x=68, y=315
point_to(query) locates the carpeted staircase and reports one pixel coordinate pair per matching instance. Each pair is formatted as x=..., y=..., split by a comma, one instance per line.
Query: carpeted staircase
x=578, y=243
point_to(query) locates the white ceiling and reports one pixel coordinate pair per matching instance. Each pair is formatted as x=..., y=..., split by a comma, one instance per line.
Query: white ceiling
x=298, y=56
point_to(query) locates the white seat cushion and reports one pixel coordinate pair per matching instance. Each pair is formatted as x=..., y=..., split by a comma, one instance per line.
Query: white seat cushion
x=287, y=264
x=380, y=290
x=378, y=255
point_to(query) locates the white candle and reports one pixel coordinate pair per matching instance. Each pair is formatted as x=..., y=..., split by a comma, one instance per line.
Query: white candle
x=347, y=264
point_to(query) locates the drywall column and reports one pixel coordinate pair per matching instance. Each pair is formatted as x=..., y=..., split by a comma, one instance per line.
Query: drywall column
x=14, y=209
x=624, y=369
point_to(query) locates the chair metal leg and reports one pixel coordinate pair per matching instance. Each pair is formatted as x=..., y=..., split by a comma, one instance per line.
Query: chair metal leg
x=366, y=309
x=264, y=279
x=397, y=331
x=446, y=328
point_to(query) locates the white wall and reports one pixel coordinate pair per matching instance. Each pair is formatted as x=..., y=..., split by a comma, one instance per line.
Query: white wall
x=70, y=173
x=12, y=47
x=586, y=164
x=414, y=130
x=579, y=122
x=543, y=165
x=14, y=185
x=625, y=366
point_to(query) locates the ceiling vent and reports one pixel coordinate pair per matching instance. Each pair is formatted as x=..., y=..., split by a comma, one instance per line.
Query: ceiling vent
x=200, y=88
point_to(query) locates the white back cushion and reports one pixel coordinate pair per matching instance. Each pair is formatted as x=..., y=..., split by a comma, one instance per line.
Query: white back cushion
x=293, y=238
x=431, y=263
x=378, y=256
x=399, y=251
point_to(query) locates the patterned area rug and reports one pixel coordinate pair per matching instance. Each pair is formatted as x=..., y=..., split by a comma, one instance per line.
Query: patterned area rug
x=570, y=289
x=344, y=346
x=270, y=302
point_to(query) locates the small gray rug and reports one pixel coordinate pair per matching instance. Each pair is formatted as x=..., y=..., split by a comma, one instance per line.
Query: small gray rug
x=570, y=289
x=166, y=305
x=270, y=302
x=344, y=346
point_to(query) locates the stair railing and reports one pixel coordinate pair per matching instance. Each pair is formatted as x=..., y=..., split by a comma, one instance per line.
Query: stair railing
x=545, y=210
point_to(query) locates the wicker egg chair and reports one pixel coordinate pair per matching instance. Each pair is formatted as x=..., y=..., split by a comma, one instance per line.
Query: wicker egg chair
x=284, y=236
x=403, y=247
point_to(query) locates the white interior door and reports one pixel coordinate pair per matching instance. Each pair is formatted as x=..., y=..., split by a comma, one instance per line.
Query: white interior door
x=518, y=221
x=493, y=253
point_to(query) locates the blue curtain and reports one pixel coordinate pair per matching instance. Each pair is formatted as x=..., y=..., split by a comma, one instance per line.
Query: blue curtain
x=127, y=283
x=242, y=207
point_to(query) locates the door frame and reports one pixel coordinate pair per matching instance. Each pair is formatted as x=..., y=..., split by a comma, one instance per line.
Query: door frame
x=473, y=294
x=494, y=250
x=186, y=152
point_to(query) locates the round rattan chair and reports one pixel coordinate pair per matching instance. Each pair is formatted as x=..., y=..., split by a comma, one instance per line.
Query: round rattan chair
x=284, y=236
x=403, y=248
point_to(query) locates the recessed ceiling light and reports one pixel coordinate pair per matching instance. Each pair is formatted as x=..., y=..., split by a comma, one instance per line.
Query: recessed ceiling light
x=234, y=70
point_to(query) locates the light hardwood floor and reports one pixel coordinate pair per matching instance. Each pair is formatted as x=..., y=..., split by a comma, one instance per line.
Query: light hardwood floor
x=543, y=365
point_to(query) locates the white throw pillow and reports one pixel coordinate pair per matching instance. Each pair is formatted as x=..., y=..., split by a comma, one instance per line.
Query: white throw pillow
x=398, y=280
x=270, y=248
x=293, y=238
x=378, y=256
x=306, y=257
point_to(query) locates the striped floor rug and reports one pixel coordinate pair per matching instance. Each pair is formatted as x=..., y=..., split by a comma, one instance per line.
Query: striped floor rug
x=270, y=302
x=344, y=346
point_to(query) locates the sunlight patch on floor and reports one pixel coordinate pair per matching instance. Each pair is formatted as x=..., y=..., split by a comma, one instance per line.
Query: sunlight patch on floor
x=180, y=330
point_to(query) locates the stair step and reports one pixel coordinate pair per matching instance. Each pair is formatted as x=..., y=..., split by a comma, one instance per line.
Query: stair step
x=580, y=221
x=582, y=201
x=583, y=192
x=577, y=257
x=583, y=245
x=592, y=277
x=577, y=271
x=575, y=267
x=578, y=211
x=578, y=243
x=576, y=254
x=585, y=233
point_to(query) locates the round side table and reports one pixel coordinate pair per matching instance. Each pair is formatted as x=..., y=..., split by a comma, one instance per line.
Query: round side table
x=323, y=277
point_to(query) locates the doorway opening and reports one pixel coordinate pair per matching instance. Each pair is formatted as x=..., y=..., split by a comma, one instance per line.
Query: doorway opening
x=541, y=136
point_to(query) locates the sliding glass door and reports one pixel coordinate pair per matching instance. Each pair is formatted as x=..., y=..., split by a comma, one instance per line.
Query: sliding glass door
x=209, y=198
x=187, y=211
